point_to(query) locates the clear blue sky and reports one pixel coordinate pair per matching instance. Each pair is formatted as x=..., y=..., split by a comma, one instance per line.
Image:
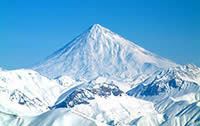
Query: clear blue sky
x=30, y=30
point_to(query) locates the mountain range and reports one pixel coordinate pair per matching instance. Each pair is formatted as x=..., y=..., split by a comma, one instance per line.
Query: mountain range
x=99, y=78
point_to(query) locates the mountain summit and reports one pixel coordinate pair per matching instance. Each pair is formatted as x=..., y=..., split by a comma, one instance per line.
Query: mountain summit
x=100, y=52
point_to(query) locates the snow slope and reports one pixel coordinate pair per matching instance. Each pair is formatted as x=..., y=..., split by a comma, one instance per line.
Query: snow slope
x=26, y=92
x=175, y=93
x=104, y=104
x=107, y=104
x=100, y=52
x=182, y=78
x=57, y=117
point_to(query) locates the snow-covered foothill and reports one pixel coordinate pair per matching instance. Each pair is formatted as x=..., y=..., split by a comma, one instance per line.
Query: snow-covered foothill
x=23, y=91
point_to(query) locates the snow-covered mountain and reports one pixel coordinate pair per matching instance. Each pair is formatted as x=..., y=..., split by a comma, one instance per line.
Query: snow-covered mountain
x=95, y=104
x=180, y=78
x=175, y=93
x=100, y=52
x=107, y=104
x=26, y=92
x=101, y=79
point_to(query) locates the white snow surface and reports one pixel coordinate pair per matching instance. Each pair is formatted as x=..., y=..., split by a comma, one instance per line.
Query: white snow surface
x=26, y=92
x=57, y=117
x=122, y=110
x=175, y=93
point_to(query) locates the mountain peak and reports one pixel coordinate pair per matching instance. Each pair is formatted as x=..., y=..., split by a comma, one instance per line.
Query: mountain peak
x=100, y=52
x=97, y=29
x=96, y=26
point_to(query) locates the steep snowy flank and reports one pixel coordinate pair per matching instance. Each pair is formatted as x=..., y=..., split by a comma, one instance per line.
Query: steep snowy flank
x=107, y=104
x=175, y=93
x=82, y=93
x=100, y=52
x=16, y=102
x=182, y=78
x=26, y=92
